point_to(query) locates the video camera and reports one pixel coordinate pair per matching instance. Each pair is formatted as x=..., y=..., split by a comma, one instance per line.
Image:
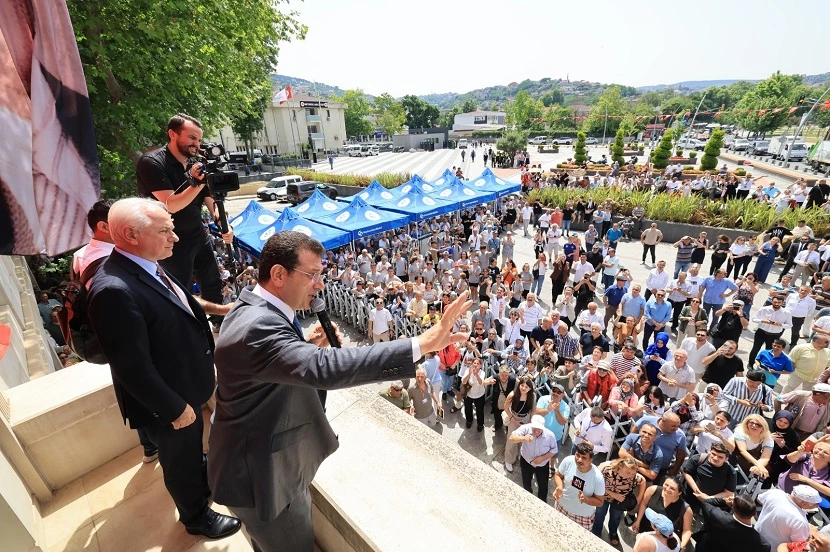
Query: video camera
x=219, y=182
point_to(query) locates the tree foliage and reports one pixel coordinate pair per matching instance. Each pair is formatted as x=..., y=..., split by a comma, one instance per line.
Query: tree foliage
x=522, y=109
x=617, y=147
x=579, y=149
x=390, y=114
x=711, y=151
x=553, y=97
x=660, y=156
x=611, y=100
x=146, y=60
x=447, y=118
x=469, y=106
x=777, y=91
x=357, y=108
x=245, y=125
x=512, y=141
x=419, y=114
x=560, y=117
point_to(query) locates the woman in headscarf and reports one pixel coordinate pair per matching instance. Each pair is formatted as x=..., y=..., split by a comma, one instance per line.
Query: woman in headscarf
x=786, y=441
x=656, y=354
x=623, y=400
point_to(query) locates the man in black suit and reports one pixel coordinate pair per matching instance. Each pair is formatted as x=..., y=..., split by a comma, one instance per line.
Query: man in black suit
x=724, y=531
x=792, y=252
x=270, y=433
x=159, y=346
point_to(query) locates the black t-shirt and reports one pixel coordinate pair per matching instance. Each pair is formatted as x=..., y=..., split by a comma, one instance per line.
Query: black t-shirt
x=729, y=326
x=539, y=335
x=779, y=232
x=159, y=170
x=723, y=369
x=588, y=343
x=710, y=480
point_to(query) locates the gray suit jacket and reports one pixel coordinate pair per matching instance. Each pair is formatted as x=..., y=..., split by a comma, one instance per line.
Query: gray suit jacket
x=270, y=433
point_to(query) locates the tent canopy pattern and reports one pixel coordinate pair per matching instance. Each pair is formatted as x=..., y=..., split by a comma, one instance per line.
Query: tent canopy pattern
x=361, y=219
x=375, y=193
x=463, y=195
x=254, y=218
x=418, y=205
x=488, y=181
x=318, y=204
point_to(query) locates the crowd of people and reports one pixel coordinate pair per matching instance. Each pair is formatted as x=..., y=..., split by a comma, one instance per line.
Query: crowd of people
x=664, y=413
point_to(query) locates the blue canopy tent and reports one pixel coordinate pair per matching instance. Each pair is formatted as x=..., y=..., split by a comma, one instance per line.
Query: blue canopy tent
x=418, y=205
x=253, y=218
x=374, y=194
x=253, y=242
x=417, y=182
x=318, y=204
x=361, y=219
x=463, y=195
x=489, y=182
x=443, y=179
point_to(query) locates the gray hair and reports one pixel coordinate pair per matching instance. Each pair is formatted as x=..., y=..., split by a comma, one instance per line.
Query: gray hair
x=131, y=212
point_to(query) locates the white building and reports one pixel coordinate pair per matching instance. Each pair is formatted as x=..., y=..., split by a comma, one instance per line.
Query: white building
x=479, y=120
x=290, y=124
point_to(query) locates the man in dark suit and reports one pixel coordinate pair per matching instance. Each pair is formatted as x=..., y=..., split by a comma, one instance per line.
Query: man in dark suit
x=270, y=432
x=724, y=531
x=792, y=252
x=159, y=346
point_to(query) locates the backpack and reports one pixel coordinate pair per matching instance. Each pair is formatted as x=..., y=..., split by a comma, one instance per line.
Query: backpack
x=74, y=321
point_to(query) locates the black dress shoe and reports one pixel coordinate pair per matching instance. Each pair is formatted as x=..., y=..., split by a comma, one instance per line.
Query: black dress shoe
x=469, y=424
x=214, y=525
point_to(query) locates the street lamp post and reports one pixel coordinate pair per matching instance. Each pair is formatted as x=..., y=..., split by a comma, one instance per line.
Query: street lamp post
x=801, y=125
x=606, y=124
x=692, y=127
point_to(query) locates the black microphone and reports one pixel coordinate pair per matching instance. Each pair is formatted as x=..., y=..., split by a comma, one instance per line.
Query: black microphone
x=318, y=306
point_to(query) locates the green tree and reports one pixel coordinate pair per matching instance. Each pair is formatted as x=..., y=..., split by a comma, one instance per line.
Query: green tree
x=552, y=97
x=447, y=118
x=627, y=125
x=357, y=109
x=469, y=106
x=660, y=155
x=390, y=114
x=617, y=148
x=146, y=60
x=560, y=117
x=711, y=151
x=778, y=91
x=251, y=121
x=611, y=103
x=419, y=114
x=511, y=141
x=579, y=149
x=522, y=110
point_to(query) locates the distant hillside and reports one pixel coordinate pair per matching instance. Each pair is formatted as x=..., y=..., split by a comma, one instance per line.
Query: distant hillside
x=311, y=88
x=692, y=85
x=815, y=80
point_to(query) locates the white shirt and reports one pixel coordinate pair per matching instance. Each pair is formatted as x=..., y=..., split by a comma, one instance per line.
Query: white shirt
x=696, y=355
x=531, y=315
x=585, y=319
x=289, y=313
x=89, y=253
x=657, y=280
x=808, y=257
x=598, y=434
x=823, y=322
x=694, y=282
x=380, y=320
x=527, y=212
x=784, y=319
x=798, y=307
x=581, y=269
x=780, y=519
x=683, y=376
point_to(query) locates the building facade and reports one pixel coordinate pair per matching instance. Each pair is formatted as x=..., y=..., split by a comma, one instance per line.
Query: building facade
x=479, y=120
x=302, y=120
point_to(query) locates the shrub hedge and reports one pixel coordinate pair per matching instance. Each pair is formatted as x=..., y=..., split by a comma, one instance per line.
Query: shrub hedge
x=734, y=213
x=387, y=180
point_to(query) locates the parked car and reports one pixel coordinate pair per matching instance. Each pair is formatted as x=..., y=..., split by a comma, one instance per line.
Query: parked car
x=563, y=141
x=779, y=145
x=277, y=187
x=352, y=150
x=463, y=143
x=368, y=150
x=728, y=141
x=759, y=147
x=591, y=140
x=300, y=191
x=538, y=140
x=399, y=149
x=691, y=143
x=740, y=144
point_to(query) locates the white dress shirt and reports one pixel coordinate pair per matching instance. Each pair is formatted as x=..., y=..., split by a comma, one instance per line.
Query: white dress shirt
x=657, y=280
x=781, y=318
x=798, y=307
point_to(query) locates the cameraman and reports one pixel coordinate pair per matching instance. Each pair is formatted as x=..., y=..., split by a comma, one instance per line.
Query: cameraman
x=161, y=175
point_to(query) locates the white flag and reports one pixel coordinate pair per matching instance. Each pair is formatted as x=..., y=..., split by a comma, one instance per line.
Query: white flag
x=283, y=95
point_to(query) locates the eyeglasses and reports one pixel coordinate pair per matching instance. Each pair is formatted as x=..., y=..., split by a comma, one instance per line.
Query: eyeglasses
x=754, y=424
x=315, y=277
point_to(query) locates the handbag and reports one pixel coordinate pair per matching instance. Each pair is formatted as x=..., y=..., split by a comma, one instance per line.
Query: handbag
x=629, y=503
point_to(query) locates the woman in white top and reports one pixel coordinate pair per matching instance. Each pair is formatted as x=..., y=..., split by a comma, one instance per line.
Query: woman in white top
x=738, y=256
x=541, y=265
x=553, y=237
x=474, y=378
x=753, y=445
x=566, y=305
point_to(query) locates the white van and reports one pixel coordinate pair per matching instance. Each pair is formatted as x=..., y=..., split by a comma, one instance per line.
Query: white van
x=779, y=145
x=277, y=187
x=463, y=143
x=368, y=150
x=352, y=150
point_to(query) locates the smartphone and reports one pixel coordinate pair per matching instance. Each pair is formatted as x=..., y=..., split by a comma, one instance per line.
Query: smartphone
x=440, y=413
x=808, y=446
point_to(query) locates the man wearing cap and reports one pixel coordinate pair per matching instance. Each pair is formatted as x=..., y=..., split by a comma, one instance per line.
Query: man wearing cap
x=538, y=447
x=809, y=408
x=661, y=537
x=783, y=518
x=554, y=410
x=613, y=296
x=809, y=361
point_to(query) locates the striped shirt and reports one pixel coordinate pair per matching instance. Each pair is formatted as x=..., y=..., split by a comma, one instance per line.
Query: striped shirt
x=737, y=389
x=684, y=252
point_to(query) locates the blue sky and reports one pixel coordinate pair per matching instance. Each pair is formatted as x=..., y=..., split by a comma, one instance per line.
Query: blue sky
x=452, y=46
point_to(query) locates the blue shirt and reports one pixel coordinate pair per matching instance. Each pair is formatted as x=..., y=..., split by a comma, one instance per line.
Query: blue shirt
x=550, y=418
x=632, y=306
x=782, y=364
x=539, y=446
x=660, y=313
x=668, y=442
x=615, y=295
x=613, y=235
x=714, y=288
x=569, y=249
x=654, y=457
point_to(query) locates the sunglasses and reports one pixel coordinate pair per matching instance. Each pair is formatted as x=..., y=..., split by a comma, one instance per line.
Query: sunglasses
x=754, y=424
